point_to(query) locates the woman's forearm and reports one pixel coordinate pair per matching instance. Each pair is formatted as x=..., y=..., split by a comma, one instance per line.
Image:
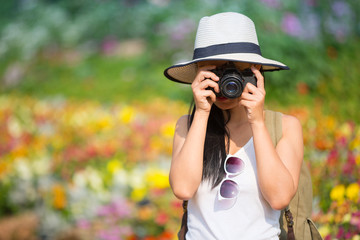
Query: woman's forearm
x=187, y=163
x=275, y=180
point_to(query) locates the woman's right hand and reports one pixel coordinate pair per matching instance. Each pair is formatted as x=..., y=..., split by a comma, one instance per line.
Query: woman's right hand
x=203, y=97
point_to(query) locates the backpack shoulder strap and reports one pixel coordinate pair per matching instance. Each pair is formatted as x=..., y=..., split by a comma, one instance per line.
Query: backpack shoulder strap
x=273, y=122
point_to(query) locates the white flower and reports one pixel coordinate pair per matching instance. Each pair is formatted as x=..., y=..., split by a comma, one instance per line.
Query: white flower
x=120, y=178
x=14, y=127
x=136, y=179
x=89, y=177
x=41, y=166
x=94, y=179
x=23, y=169
x=79, y=179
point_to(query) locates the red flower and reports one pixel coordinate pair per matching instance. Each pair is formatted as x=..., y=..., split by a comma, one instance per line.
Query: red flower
x=332, y=158
x=162, y=218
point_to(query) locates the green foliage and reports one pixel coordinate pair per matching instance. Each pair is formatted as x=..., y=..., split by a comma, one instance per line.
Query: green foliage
x=302, y=34
x=6, y=208
x=339, y=87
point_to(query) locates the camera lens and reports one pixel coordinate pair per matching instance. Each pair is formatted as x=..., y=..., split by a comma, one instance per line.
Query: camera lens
x=230, y=83
x=231, y=88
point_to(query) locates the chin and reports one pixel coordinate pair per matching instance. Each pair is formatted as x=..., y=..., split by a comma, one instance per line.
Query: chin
x=227, y=104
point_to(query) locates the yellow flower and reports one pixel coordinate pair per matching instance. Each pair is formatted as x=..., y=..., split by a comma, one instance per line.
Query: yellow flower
x=355, y=144
x=330, y=123
x=352, y=192
x=356, y=237
x=338, y=193
x=3, y=168
x=127, y=114
x=104, y=123
x=346, y=218
x=138, y=194
x=157, y=178
x=156, y=143
x=324, y=230
x=346, y=129
x=357, y=160
x=114, y=166
x=59, y=196
x=57, y=142
x=168, y=130
x=20, y=151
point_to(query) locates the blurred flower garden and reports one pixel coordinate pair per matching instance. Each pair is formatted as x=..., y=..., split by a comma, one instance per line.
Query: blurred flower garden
x=87, y=117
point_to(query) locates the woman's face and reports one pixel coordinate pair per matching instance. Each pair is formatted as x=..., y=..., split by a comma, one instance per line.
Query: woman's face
x=223, y=102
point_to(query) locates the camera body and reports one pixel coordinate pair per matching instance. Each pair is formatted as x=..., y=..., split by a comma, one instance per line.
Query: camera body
x=232, y=81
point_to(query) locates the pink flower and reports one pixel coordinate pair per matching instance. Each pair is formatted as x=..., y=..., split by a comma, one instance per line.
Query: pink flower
x=355, y=219
x=109, y=45
x=340, y=233
x=328, y=237
x=84, y=224
x=350, y=164
x=117, y=208
x=292, y=25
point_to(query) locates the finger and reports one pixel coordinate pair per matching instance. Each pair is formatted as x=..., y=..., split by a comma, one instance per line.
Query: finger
x=209, y=83
x=208, y=75
x=251, y=88
x=248, y=96
x=205, y=87
x=210, y=94
x=259, y=77
x=206, y=69
x=246, y=103
x=204, y=75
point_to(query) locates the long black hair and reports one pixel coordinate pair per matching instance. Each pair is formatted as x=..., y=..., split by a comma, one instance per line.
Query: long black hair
x=216, y=143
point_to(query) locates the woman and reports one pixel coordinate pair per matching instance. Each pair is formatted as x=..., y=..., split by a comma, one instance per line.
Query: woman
x=224, y=161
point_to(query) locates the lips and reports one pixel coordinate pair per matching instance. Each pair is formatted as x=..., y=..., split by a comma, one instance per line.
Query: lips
x=221, y=98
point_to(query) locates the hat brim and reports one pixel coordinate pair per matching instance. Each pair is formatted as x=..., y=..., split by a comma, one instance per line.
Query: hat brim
x=185, y=72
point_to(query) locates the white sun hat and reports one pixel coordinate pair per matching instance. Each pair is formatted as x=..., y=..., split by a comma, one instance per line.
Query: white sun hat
x=225, y=36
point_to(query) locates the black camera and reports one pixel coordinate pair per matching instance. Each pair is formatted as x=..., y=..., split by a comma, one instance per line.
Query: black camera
x=232, y=81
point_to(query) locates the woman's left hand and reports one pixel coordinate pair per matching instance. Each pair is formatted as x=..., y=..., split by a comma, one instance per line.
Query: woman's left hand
x=253, y=98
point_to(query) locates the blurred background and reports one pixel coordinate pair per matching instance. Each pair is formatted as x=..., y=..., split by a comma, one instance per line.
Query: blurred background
x=87, y=117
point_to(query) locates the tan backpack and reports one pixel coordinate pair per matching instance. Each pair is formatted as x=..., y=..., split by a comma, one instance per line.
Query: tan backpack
x=295, y=220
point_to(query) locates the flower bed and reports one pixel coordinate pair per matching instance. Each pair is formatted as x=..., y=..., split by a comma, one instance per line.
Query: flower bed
x=101, y=171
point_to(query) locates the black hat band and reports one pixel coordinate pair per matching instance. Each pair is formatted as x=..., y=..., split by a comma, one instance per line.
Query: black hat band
x=226, y=48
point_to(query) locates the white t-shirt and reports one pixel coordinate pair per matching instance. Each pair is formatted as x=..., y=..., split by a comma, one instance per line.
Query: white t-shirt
x=248, y=217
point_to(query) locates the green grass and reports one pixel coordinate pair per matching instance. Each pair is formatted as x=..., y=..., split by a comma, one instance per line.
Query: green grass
x=99, y=78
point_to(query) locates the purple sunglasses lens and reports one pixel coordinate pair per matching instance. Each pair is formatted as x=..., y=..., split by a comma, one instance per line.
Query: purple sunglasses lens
x=229, y=189
x=234, y=165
